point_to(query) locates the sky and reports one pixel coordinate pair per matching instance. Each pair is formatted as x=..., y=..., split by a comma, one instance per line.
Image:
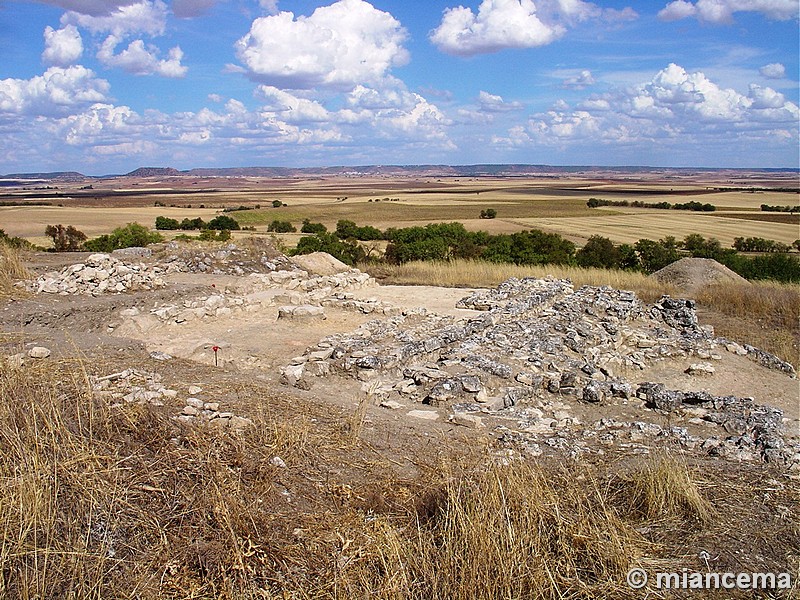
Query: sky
x=104, y=87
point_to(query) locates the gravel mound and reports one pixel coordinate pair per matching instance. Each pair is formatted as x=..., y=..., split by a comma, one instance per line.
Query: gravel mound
x=692, y=274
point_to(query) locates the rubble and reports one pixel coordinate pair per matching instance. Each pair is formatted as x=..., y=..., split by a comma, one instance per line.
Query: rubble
x=541, y=347
x=99, y=274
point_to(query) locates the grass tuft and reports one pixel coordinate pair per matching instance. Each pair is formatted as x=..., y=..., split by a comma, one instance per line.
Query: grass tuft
x=12, y=270
x=664, y=488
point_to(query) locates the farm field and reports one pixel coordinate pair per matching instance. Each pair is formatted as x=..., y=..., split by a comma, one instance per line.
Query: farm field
x=556, y=204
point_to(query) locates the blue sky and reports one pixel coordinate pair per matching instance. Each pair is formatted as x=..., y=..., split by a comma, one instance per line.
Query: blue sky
x=107, y=86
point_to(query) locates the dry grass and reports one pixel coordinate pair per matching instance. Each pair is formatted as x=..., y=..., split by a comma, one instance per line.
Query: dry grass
x=102, y=502
x=467, y=273
x=764, y=314
x=664, y=488
x=12, y=270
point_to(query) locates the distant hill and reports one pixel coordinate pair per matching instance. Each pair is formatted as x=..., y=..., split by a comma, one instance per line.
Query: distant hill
x=60, y=175
x=154, y=172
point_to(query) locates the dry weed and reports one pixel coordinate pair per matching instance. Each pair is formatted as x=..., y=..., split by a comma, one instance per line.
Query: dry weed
x=12, y=270
x=664, y=488
x=472, y=273
x=764, y=314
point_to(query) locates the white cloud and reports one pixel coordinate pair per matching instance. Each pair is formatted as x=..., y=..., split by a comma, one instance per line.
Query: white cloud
x=499, y=24
x=495, y=104
x=139, y=60
x=290, y=108
x=338, y=46
x=721, y=11
x=773, y=71
x=502, y=24
x=62, y=47
x=579, y=81
x=55, y=92
x=144, y=17
x=97, y=124
x=674, y=104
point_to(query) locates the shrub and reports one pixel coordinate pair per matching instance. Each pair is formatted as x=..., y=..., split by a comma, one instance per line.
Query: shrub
x=223, y=222
x=277, y=204
x=349, y=252
x=281, y=227
x=15, y=242
x=489, y=213
x=165, y=223
x=346, y=230
x=129, y=236
x=657, y=255
x=599, y=252
x=190, y=224
x=309, y=227
x=65, y=239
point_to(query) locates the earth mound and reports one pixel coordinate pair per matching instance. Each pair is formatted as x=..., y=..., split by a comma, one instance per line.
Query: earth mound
x=692, y=274
x=320, y=263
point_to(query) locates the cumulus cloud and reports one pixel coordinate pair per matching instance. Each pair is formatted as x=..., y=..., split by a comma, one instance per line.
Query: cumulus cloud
x=579, y=81
x=495, y=104
x=721, y=11
x=143, y=17
x=337, y=46
x=773, y=71
x=502, y=24
x=58, y=91
x=291, y=108
x=674, y=104
x=62, y=47
x=138, y=60
x=499, y=24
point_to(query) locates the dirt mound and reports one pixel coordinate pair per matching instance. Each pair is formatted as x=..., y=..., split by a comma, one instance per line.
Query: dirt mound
x=320, y=263
x=692, y=274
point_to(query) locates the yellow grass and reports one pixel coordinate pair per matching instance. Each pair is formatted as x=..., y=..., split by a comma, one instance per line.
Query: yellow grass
x=764, y=314
x=12, y=270
x=468, y=273
x=123, y=502
x=655, y=224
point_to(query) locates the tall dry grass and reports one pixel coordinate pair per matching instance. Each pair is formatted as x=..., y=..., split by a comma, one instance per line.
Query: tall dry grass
x=125, y=502
x=12, y=269
x=764, y=314
x=474, y=273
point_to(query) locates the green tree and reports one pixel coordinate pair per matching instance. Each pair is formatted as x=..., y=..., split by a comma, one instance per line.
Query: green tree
x=165, y=223
x=309, y=227
x=281, y=227
x=599, y=252
x=656, y=255
x=223, y=222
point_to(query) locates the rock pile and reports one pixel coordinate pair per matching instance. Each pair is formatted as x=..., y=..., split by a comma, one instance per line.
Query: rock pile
x=296, y=293
x=99, y=274
x=230, y=259
x=541, y=345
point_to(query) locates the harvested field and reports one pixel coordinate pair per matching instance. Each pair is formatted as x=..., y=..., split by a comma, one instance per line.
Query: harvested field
x=656, y=224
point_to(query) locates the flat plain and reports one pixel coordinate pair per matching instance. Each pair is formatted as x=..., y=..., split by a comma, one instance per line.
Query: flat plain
x=555, y=203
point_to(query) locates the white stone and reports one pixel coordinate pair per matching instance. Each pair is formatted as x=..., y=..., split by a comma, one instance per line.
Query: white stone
x=428, y=415
x=39, y=352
